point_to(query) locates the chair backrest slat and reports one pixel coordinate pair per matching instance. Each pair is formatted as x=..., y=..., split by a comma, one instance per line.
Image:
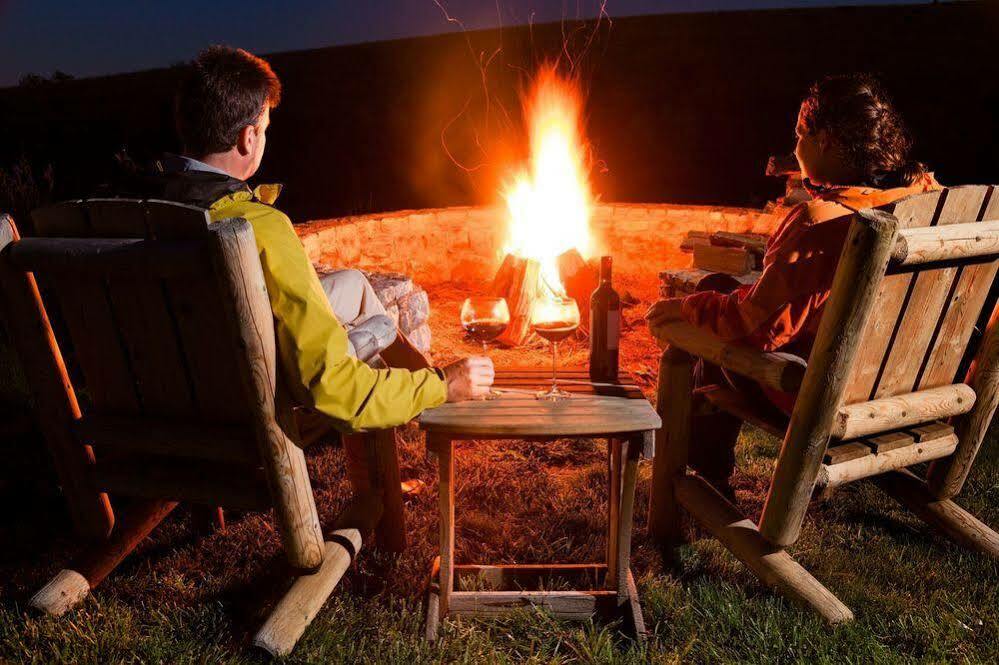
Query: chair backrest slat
x=889, y=303
x=148, y=344
x=923, y=317
x=100, y=350
x=963, y=308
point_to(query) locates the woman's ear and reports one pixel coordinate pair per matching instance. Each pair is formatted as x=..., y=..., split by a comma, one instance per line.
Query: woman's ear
x=247, y=140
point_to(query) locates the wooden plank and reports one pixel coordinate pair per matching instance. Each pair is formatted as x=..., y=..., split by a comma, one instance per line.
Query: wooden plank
x=300, y=605
x=72, y=585
x=62, y=220
x=630, y=452
x=947, y=477
x=576, y=605
x=963, y=310
x=142, y=318
x=445, y=464
x=528, y=576
x=728, y=260
x=249, y=320
x=945, y=515
x=306, y=597
x=952, y=243
x=912, y=212
x=890, y=441
x=772, y=564
x=614, y=469
x=210, y=483
x=899, y=411
x=780, y=371
x=52, y=392
x=930, y=432
x=845, y=452
x=837, y=345
x=211, y=359
x=522, y=415
x=195, y=440
x=100, y=257
x=673, y=403
x=926, y=301
x=168, y=220
x=834, y=475
x=97, y=342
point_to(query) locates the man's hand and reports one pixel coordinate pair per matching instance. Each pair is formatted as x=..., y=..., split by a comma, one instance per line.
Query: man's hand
x=664, y=311
x=469, y=378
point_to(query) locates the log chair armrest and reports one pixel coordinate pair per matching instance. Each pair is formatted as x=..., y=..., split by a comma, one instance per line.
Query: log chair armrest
x=780, y=371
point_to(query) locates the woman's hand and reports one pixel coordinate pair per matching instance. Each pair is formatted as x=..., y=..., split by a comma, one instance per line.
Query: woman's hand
x=664, y=311
x=469, y=378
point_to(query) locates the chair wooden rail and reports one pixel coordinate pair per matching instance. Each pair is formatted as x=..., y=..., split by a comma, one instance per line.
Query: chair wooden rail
x=894, y=360
x=171, y=327
x=779, y=371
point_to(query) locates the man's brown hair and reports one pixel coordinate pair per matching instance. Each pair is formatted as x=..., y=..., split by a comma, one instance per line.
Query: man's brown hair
x=224, y=90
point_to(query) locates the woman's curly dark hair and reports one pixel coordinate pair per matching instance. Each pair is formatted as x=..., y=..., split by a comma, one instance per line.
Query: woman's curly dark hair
x=859, y=116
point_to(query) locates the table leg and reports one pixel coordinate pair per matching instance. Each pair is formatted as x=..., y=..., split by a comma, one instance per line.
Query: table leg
x=445, y=462
x=613, y=510
x=630, y=452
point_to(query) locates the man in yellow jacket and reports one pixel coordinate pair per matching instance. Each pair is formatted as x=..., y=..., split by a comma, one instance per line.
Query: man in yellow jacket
x=222, y=114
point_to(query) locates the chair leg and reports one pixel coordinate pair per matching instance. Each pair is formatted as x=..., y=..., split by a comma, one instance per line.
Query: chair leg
x=207, y=519
x=72, y=585
x=373, y=469
x=772, y=564
x=672, y=444
x=953, y=520
x=307, y=595
x=391, y=530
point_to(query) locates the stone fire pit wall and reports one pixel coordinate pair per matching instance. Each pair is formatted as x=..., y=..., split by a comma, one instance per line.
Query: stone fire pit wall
x=465, y=244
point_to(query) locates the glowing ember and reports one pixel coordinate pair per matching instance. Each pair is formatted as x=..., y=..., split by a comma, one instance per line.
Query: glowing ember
x=550, y=203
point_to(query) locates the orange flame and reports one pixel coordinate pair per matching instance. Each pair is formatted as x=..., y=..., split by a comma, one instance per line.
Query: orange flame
x=550, y=202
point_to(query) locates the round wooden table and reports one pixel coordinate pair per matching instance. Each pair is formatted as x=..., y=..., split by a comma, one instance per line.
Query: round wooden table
x=619, y=413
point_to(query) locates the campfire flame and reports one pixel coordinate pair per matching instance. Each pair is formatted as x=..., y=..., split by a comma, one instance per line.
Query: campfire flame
x=549, y=202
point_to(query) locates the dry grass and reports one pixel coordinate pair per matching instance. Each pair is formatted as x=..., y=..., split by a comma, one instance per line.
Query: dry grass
x=190, y=598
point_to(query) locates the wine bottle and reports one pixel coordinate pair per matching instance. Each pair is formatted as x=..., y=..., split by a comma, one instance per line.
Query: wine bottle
x=605, y=327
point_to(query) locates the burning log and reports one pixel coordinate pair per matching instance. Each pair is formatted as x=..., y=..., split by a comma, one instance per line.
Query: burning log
x=517, y=280
x=580, y=280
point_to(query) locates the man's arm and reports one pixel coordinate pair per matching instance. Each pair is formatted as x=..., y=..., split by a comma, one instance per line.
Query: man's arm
x=313, y=345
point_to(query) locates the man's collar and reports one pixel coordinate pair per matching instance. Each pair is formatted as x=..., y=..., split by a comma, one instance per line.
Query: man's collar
x=182, y=163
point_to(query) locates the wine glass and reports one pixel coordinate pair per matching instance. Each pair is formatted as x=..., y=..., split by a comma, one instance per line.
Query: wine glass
x=554, y=319
x=485, y=318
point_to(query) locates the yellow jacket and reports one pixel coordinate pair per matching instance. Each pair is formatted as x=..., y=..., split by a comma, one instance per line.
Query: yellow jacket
x=312, y=344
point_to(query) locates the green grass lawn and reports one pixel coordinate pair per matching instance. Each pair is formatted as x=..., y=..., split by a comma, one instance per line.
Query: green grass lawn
x=186, y=598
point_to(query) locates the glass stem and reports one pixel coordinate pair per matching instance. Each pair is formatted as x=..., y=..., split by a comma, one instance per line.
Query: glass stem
x=554, y=365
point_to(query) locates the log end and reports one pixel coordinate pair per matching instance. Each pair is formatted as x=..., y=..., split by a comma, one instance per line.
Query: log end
x=64, y=592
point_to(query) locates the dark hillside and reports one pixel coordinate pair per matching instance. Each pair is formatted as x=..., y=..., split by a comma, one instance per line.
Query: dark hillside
x=682, y=108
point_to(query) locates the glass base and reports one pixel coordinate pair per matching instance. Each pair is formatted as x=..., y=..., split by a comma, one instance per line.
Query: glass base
x=492, y=394
x=553, y=394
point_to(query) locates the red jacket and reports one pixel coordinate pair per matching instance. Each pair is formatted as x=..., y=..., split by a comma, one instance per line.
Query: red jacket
x=781, y=311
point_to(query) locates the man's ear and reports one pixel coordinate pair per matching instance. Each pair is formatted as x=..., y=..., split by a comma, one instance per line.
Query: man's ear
x=247, y=140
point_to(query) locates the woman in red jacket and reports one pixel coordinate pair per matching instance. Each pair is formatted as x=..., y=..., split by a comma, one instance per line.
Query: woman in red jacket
x=853, y=150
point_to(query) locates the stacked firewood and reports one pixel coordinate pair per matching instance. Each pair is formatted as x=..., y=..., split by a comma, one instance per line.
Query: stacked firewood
x=406, y=304
x=723, y=261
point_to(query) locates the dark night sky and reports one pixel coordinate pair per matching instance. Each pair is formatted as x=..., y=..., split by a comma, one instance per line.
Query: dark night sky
x=93, y=38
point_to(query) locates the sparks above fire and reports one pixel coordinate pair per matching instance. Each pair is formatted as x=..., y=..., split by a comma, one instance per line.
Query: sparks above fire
x=549, y=204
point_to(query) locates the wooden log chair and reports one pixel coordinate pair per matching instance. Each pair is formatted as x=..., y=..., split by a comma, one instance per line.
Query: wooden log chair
x=894, y=379
x=169, y=320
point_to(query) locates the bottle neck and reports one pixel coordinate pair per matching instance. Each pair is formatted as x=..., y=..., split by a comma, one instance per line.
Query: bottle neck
x=605, y=270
